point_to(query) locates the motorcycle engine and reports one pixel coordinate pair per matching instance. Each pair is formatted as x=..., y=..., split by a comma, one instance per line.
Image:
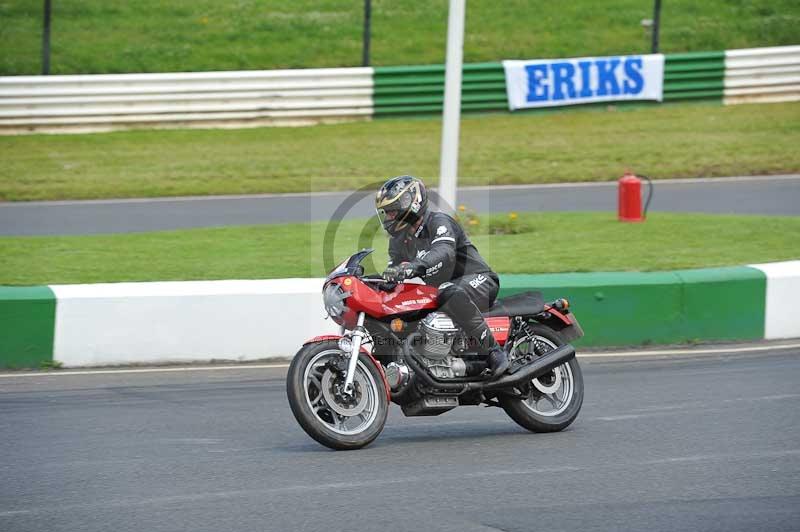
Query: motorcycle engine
x=438, y=332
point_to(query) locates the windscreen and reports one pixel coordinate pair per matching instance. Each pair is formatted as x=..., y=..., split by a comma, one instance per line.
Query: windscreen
x=349, y=266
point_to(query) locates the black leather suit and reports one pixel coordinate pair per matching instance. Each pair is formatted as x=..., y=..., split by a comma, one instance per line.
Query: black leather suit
x=442, y=255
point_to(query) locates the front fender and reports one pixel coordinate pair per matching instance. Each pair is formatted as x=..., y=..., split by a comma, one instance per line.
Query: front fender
x=336, y=337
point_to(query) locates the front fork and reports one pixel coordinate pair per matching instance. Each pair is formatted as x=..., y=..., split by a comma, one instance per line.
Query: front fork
x=357, y=338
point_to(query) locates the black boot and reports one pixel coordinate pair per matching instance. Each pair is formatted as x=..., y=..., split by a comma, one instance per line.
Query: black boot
x=498, y=362
x=496, y=358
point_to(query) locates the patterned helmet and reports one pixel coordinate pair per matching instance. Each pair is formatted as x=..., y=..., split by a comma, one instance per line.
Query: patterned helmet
x=401, y=202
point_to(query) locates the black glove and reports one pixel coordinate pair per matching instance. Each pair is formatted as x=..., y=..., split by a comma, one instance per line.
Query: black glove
x=399, y=273
x=386, y=286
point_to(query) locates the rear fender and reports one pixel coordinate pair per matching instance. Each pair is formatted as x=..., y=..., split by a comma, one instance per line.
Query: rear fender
x=565, y=324
x=336, y=337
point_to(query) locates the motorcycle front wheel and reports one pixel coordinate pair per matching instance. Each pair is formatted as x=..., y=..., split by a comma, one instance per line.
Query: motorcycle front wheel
x=555, y=397
x=334, y=419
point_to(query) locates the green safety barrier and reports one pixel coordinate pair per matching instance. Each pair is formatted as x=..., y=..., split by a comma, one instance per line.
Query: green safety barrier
x=27, y=326
x=630, y=308
x=420, y=89
x=694, y=76
x=409, y=90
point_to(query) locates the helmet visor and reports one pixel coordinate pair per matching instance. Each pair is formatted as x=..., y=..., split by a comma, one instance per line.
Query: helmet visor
x=394, y=206
x=388, y=218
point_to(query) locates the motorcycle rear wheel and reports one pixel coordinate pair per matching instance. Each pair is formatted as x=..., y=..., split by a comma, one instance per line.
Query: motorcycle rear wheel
x=311, y=388
x=556, y=398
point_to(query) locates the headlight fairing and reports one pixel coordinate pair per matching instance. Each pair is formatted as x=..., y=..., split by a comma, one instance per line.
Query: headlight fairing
x=333, y=297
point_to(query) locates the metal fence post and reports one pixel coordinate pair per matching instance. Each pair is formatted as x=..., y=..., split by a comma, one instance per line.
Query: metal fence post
x=46, y=39
x=656, y=24
x=367, y=32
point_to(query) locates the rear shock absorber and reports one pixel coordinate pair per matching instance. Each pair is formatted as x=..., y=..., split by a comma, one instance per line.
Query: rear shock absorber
x=539, y=347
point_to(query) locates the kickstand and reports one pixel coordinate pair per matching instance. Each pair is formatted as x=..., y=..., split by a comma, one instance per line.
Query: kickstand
x=492, y=402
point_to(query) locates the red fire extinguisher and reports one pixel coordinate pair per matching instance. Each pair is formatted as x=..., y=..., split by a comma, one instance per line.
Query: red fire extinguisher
x=630, y=198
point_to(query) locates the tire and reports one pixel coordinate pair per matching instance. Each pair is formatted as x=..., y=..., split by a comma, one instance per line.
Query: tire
x=305, y=381
x=528, y=414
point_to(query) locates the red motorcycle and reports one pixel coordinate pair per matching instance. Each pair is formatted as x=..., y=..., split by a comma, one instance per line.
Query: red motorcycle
x=339, y=391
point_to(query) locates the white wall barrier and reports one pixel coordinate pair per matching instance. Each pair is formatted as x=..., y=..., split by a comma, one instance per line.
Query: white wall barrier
x=759, y=75
x=197, y=321
x=235, y=99
x=136, y=323
x=782, y=312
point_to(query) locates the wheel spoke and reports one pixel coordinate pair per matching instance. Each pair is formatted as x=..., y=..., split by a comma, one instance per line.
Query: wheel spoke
x=319, y=400
x=318, y=371
x=533, y=401
x=541, y=403
x=552, y=401
x=339, y=421
x=316, y=382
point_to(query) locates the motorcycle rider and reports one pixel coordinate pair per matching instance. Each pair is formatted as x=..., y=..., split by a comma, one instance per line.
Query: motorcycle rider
x=431, y=245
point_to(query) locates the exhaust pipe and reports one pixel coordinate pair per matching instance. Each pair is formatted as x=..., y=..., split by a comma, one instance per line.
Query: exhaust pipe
x=537, y=368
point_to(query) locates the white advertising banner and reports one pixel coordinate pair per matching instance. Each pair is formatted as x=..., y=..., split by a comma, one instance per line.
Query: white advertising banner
x=555, y=82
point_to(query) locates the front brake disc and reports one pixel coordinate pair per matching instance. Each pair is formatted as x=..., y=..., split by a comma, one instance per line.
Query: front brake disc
x=339, y=403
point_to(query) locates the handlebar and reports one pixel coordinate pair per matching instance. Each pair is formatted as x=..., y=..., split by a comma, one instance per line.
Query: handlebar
x=382, y=283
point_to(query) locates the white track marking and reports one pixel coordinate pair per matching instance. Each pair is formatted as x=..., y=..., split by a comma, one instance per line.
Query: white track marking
x=243, y=367
x=671, y=352
x=691, y=180
x=141, y=370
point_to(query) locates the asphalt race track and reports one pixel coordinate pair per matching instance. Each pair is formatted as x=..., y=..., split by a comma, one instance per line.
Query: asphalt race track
x=768, y=195
x=707, y=442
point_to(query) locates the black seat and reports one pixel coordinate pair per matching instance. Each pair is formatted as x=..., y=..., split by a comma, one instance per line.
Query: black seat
x=524, y=304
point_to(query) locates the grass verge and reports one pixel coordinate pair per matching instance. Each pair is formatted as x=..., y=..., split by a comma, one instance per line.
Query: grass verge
x=93, y=36
x=531, y=243
x=587, y=145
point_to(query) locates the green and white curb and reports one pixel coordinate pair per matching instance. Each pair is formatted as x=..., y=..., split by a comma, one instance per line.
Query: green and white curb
x=146, y=323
